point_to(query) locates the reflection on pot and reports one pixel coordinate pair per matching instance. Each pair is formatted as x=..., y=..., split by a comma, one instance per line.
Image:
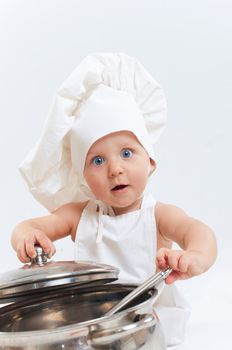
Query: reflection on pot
x=74, y=319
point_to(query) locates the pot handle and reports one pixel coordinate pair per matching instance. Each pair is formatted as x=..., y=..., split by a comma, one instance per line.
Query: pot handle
x=109, y=335
x=41, y=257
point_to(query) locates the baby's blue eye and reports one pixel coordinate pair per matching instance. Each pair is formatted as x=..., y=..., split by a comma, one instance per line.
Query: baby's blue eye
x=126, y=153
x=98, y=160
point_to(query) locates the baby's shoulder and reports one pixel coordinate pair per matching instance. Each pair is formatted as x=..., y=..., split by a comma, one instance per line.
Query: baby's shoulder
x=71, y=208
x=165, y=211
x=76, y=206
x=71, y=214
x=170, y=219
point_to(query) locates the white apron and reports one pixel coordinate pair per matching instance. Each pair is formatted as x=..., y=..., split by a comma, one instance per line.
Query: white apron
x=128, y=242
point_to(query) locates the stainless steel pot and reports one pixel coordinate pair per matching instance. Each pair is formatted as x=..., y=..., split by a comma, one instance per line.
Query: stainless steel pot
x=72, y=316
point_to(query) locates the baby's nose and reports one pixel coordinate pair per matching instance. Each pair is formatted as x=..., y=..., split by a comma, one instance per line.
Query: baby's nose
x=115, y=169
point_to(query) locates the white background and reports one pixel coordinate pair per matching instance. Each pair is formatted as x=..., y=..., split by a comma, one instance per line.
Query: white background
x=187, y=47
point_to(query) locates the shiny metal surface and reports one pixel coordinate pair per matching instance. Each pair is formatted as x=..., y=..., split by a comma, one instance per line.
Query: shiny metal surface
x=33, y=278
x=41, y=257
x=153, y=281
x=74, y=320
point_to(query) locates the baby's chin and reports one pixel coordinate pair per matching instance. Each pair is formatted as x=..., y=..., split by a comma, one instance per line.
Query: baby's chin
x=127, y=207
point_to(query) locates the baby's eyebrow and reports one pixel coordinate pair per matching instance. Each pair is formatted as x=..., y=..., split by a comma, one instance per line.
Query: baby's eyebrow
x=127, y=144
x=91, y=152
x=93, y=155
x=130, y=146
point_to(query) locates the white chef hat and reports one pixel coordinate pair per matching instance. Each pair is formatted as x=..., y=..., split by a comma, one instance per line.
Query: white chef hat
x=107, y=92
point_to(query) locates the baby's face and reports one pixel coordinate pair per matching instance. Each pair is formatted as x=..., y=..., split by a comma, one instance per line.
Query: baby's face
x=116, y=170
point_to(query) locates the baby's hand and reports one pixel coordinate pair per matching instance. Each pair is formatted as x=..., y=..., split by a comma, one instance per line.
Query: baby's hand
x=26, y=245
x=185, y=264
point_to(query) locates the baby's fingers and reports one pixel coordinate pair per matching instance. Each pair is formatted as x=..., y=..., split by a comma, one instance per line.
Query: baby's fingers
x=183, y=264
x=177, y=261
x=42, y=240
x=45, y=243
x=22, y=254
x=161, y=258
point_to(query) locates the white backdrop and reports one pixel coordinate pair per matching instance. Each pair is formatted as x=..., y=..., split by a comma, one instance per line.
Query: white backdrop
x=187, y=46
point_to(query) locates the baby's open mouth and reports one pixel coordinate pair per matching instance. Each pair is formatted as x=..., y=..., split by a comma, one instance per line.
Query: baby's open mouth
x=119, y=187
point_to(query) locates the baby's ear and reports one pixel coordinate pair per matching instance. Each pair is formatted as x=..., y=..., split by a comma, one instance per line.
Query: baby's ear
x=152, y=166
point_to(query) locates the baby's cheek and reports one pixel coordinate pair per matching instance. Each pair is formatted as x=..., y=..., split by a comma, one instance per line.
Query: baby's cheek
x=142, y=180
x=97, y=186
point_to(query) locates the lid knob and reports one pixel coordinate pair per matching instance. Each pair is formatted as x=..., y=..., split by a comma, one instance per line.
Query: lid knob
x=41, y=257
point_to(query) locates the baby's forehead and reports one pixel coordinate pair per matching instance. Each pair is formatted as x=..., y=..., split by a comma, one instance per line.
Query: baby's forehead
x=121, y=138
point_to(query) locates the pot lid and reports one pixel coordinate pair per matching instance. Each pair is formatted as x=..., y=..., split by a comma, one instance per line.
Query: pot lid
x=42, y=276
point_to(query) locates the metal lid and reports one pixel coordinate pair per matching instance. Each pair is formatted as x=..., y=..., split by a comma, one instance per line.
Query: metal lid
x=41, y=276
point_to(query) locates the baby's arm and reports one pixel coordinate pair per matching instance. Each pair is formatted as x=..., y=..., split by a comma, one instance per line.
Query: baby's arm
x=196, y=239
x=44, y=230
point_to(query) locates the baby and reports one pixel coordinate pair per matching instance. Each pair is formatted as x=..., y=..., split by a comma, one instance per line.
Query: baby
x=91, y=168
